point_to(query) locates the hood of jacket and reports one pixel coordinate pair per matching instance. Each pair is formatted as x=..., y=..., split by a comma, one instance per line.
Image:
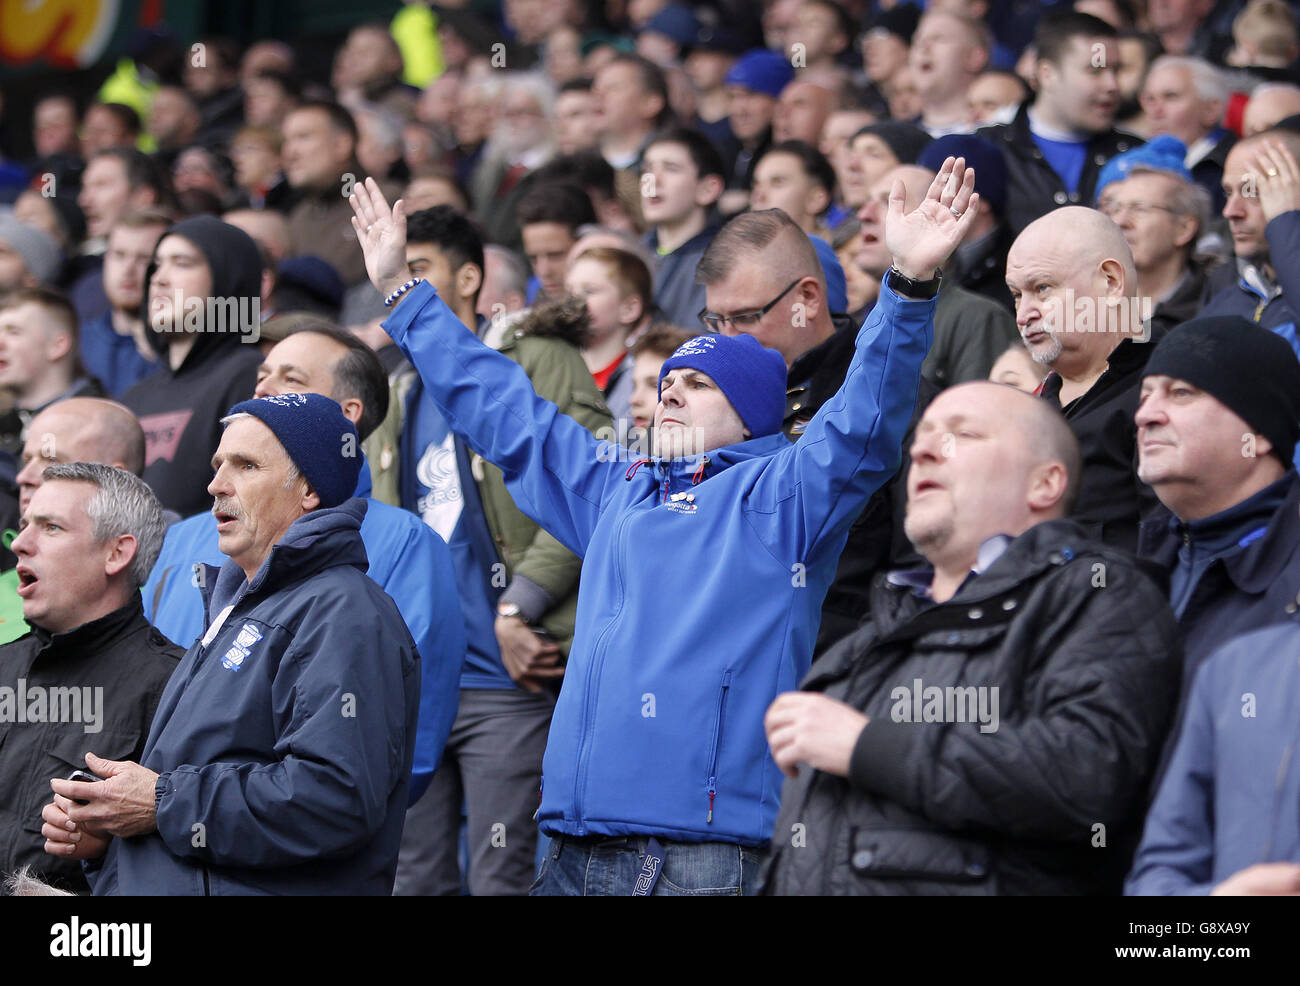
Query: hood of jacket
x=236, y=268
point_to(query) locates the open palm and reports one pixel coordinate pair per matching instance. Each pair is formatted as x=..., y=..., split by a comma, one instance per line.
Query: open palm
x=921, y=240
x=381, y=230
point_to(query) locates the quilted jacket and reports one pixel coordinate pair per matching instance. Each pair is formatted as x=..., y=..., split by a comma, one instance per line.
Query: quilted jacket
x=1078, y=649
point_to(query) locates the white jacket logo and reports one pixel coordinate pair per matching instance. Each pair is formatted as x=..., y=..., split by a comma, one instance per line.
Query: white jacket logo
x=248, y=635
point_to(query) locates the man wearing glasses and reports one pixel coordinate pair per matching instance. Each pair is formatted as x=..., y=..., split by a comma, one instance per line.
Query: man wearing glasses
x=1162, y=212
x=703, y=572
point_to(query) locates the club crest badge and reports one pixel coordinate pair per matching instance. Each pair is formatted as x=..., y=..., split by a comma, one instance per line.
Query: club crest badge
x=234, y=659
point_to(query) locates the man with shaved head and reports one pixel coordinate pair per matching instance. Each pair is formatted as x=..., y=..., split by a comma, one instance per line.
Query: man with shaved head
x=79, y=429
x=1074, y=284
x=925, y=751
x=75, y=429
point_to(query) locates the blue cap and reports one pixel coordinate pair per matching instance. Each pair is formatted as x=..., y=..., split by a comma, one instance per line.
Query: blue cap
x=322, y=443
x=676, y=23
x=982, y=155
x=837, y=294
x=1159, y=154
x=749, y=374
x=762, y=71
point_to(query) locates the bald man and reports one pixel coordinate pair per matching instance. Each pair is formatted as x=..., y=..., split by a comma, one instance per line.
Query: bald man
x=1269, y=104
x=932, y=739
x=79, y=429
x=1074, y=284
x=970, y=330
x=75, y=429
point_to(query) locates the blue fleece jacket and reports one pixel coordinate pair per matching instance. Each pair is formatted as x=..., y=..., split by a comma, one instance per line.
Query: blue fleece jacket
x=284, y=740
x=1230, y=794
x=702, y=580
x=409, y=562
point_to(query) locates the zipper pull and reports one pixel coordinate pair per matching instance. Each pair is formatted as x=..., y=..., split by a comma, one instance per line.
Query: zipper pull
x=712, y=792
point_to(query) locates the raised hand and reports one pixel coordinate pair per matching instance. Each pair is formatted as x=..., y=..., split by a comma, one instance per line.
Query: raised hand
x=1277, y=179
x=921, y=240
x=382, y=233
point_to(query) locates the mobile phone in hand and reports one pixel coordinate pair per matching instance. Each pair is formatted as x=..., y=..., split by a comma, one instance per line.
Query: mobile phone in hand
x=84, y=777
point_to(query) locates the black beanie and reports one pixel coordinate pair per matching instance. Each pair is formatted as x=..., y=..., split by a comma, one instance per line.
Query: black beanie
x=904, y=140
x=1250, y=370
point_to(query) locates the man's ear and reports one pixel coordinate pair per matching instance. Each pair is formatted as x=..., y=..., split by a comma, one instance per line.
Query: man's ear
x=469, y=279
x=1187, y=230
x=352, y=408
x=1113, y=271
x=809, y=294
x=121, y=554
x=1047, y=486
x=630, y=310
x=708, y=190
x=310, y=498
x=60, y=345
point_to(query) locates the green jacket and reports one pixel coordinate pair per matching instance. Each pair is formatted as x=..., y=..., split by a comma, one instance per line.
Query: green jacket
x=541, y=574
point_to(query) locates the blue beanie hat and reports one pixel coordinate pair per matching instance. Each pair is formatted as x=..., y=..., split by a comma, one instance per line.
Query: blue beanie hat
x=837, y=295
x=1159, y=154
x=751, y=376
x=982, y=155
x=762, y=71
x=322, y=443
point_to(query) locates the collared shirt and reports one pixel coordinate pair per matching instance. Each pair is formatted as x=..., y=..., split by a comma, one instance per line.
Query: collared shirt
x=919, y=579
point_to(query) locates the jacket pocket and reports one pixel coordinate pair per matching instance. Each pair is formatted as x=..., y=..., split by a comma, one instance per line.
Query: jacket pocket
x=918, y=854
x=716, y=747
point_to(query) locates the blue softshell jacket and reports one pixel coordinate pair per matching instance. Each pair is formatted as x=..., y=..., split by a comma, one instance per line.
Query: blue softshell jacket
x=283, y=745
x=703, y=577
x=409, y=562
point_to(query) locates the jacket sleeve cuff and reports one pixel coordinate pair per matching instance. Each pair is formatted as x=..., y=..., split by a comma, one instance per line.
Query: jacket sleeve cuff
x=408, y=309
x=879, y=760
x=533, y=601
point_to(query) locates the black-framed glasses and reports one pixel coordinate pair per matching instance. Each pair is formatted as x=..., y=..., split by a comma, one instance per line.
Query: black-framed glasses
x=745, y=320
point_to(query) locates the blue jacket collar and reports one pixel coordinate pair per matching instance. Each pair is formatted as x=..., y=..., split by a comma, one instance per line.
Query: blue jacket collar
x=321, y=539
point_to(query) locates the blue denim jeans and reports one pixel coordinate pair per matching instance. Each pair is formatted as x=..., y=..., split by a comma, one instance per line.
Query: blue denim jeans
x=608, y=867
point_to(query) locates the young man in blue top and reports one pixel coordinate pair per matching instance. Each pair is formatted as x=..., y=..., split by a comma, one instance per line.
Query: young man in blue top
x=705, y=564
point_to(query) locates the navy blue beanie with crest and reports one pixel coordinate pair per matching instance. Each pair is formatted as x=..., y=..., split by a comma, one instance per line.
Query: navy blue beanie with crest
x=320, y=440
x=751, y=375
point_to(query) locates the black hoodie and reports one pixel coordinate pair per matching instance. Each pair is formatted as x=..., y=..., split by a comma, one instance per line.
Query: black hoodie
x=181, y=410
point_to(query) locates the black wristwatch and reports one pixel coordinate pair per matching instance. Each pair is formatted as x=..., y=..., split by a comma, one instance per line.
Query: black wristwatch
x=900, y=283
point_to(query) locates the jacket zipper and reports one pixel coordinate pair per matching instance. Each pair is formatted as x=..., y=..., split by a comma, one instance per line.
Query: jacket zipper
x=717, y=741
x=589, y=708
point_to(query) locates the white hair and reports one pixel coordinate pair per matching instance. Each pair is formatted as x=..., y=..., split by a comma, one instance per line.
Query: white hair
x=1207, y=80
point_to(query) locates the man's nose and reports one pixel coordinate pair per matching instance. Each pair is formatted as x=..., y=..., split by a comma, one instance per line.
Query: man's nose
x=19, y=546
x=1149, y=411
x=219, y=486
